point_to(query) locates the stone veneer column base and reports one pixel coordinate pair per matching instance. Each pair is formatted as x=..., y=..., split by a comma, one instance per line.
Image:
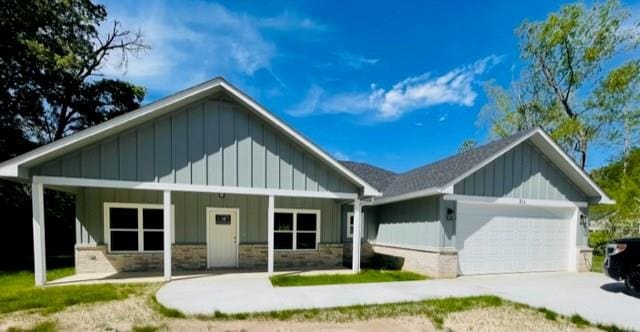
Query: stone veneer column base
x=436, y=263
x=584, y=261
x=94, y=258
x=255, y=256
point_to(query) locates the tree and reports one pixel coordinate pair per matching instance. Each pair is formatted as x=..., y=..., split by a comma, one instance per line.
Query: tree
x=624, y=188
x=51, y=55
x=467, y=145
x=565, y=59
x=619, y=97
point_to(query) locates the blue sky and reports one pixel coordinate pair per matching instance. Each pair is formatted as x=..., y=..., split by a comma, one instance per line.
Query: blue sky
x=396, y=86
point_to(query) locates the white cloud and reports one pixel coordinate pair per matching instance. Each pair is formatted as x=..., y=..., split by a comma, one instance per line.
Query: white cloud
x=455, y=87
x=356, y=61
x=341, y=156
x=197, y=41
x=290, y=21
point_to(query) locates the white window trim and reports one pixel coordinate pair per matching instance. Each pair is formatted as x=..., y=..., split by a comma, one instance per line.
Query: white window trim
x=349, y=232
x=140, y=207
x=295, y=227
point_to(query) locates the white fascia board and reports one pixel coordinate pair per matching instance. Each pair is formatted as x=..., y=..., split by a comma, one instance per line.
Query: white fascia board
x=514, y=201
x=10, y=168
x=368, y=189
x=404, y=197
x=604, y=199
x=96, y=183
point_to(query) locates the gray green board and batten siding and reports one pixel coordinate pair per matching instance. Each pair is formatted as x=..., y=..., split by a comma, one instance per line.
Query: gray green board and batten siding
x=207, y=143
x=422, y=222
x=190, y=213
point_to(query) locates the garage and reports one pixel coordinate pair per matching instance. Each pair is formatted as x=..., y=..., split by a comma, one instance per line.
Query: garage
x=495, y=238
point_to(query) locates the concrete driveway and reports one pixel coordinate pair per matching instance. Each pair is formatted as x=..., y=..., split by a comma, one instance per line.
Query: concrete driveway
x=590, y=295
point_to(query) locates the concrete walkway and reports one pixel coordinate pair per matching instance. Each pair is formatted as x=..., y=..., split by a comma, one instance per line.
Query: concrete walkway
x=590, y=295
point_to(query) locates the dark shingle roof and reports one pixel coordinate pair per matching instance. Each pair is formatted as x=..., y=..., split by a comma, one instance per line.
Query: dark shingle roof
x=433, y=175
x=375, y=176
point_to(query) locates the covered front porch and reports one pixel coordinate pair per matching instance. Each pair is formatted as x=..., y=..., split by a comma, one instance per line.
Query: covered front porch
x=184, y=231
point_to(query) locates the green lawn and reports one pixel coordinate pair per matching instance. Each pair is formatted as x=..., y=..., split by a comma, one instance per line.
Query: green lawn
x=329, y=279
x=19, y=293
x=596, y=265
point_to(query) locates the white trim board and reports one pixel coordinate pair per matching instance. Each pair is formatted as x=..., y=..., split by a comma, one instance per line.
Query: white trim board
x=160, y=186
x=535, y=134
x=14, y=168
x=294, y=231
x=513, y=201
x=139, y=206
x=604, y=199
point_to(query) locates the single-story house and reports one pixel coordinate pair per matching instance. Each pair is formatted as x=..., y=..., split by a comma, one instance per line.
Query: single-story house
x=208, y=178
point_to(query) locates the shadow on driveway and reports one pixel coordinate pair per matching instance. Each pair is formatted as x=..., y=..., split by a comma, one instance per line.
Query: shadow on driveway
x=616, y=287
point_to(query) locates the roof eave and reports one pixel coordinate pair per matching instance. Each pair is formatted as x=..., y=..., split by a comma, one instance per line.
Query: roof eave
x=11, y=168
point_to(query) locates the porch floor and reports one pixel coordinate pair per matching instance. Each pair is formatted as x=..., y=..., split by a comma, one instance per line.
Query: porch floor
x=152, y=277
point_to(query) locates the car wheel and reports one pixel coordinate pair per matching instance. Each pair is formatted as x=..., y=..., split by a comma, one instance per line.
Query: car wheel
x=633, y=283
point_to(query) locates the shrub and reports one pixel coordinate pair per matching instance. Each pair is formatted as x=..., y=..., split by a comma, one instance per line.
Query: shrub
x=598, y=240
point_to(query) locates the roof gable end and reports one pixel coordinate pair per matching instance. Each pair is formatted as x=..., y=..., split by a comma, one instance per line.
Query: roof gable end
x=18, y=166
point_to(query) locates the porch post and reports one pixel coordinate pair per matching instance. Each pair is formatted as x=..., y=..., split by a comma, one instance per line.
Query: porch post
x=270, y=229
x=39, y=256
x=166, y=200
x=357, y=216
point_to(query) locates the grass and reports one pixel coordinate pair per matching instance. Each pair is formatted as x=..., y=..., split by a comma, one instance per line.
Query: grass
x=147, y=328
x=365, y=276
x=19, y=293
x=436, y=310
x=164, y=311
x=46, y=326
x=548, y=314
x=596, y=265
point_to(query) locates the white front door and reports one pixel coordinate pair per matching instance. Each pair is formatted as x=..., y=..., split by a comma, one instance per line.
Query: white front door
x=494, y=238
x=222, y=237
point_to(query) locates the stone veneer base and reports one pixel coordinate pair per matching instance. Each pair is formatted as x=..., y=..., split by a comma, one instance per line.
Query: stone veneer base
x=438, y=263
x=326, y=256
x=584, y=261
x=96, y=259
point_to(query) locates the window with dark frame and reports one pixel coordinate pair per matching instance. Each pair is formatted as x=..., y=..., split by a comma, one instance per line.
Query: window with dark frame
x=136, y=229
x=295, y=230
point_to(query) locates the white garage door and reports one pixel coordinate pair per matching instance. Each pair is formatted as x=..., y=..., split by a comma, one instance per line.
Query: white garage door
x=495, y=238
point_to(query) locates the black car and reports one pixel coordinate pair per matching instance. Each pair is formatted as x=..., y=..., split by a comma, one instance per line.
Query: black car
x=623, y=263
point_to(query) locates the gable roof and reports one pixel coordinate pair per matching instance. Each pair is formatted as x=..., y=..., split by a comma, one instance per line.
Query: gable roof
x=17, y=167
x=440, y=176
x=380, y=178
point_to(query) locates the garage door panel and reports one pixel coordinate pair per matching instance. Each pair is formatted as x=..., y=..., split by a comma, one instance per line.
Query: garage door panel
x=502, y=239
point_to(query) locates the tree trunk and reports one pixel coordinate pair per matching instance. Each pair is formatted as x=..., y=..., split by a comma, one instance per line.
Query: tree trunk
x=627, y=142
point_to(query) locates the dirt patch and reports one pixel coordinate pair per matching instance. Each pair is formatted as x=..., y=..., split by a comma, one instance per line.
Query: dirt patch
x=136, y=311
x=508, y=318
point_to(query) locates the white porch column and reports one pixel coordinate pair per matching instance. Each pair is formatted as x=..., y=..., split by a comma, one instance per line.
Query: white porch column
x=39, y=256
x=166, y=209
x=357, y=230
x=270, y=229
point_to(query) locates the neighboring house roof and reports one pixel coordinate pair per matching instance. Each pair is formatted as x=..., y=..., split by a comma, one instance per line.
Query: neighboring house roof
x=440, y=176
x=18, y=166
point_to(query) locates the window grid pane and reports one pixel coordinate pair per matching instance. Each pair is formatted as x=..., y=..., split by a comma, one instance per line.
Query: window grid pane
x=153, y=241
x=152, y=219
x=123, y=218
x=124, y=241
